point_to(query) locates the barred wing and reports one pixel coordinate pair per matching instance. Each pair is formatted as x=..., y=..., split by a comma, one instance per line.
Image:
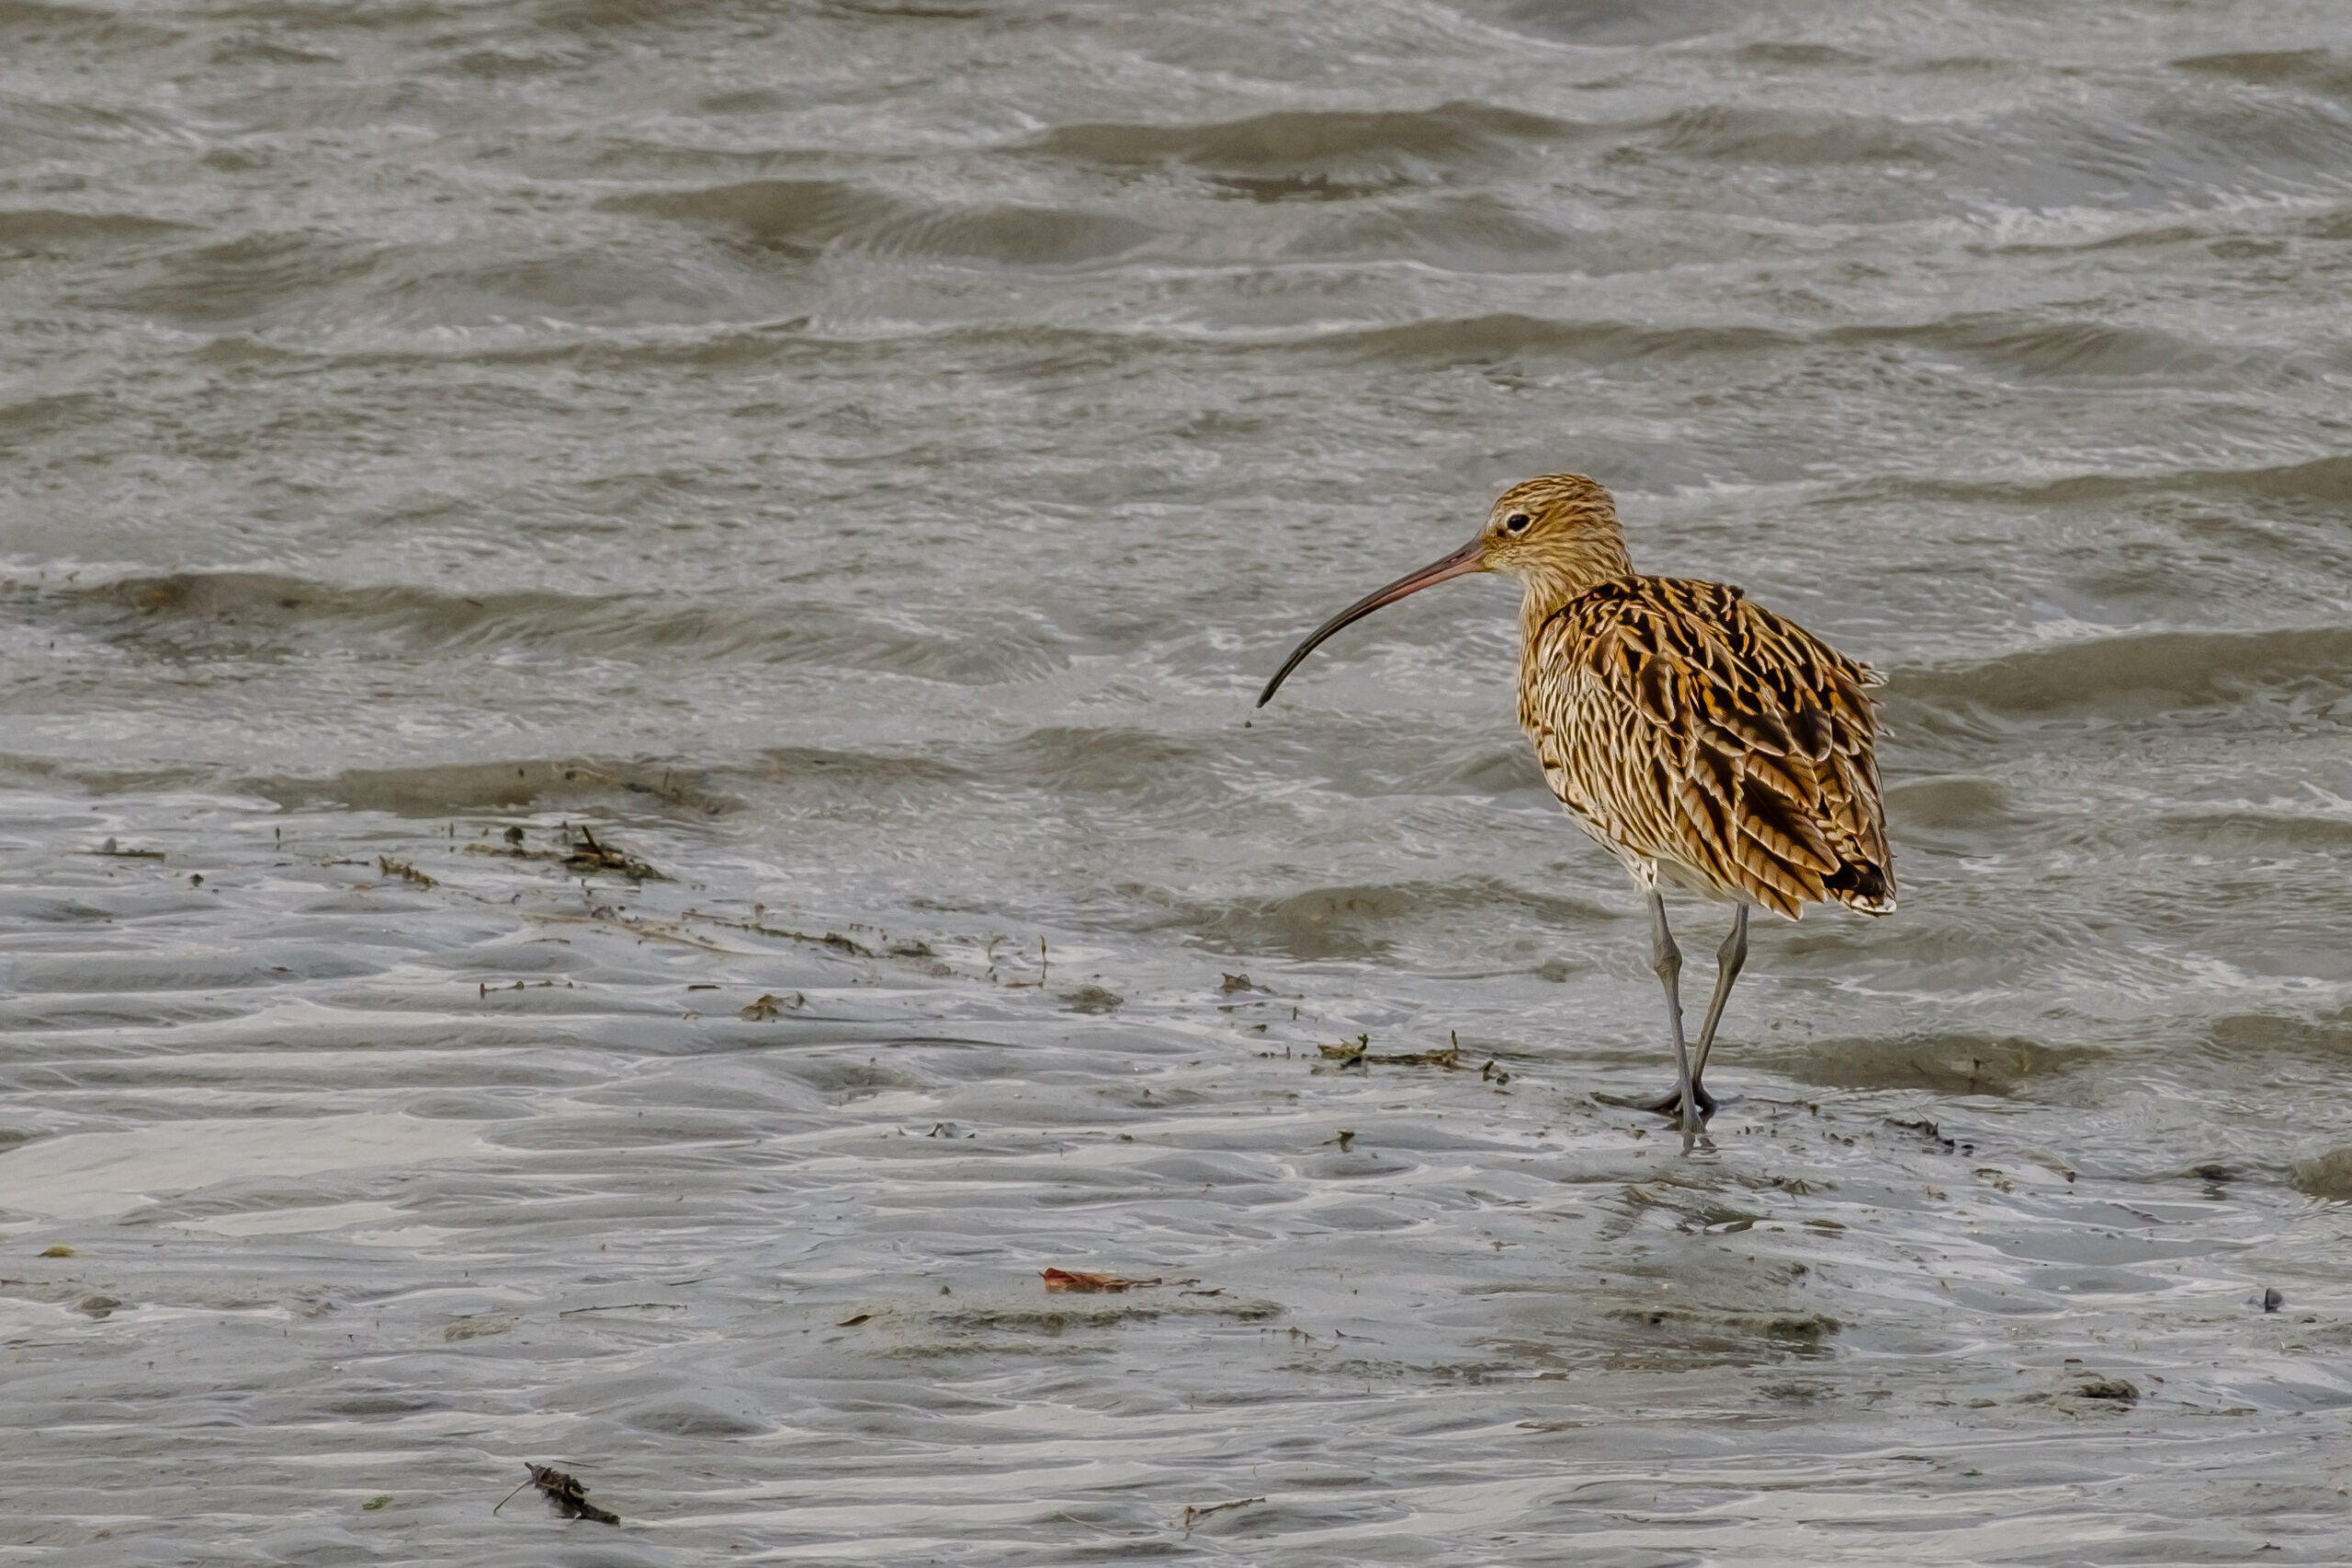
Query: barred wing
x=1690, y=726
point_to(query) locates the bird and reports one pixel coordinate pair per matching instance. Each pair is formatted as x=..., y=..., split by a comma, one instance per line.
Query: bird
x=1709, y=744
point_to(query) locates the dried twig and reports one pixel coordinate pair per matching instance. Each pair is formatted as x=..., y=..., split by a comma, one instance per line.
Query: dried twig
x=590, y=855
x=772, y=1005
x=404, y=871
x=1194, y=1514
x=566, y=1494
x=1360, y=1052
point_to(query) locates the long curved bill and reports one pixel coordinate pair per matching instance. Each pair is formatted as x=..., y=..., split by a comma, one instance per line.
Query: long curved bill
x=1470, y=558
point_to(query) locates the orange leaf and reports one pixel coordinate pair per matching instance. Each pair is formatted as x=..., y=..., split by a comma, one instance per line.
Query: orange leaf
x=1077, y=1279
x=1073, y=1280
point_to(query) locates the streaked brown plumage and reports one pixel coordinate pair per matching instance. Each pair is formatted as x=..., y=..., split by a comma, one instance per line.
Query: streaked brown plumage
x=1697, y=731
x=1707, y=742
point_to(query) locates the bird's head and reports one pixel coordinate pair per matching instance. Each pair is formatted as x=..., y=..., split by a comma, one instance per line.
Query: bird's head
x=1561, y=525
x=1554, y=533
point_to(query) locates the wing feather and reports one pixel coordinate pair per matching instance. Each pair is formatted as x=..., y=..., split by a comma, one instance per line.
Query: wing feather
x=1686, y=724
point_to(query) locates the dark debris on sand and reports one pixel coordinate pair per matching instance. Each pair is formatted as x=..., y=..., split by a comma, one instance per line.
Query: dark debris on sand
x=567, y=1494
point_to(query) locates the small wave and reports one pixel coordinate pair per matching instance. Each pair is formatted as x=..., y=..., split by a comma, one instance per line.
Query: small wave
x=797, y=214
x=28, y=24
x=113, y=973
x=2326, y=482
x=2163, y=670
x=1945, y=1064
x=2199, y=149
x=2320, y=71
x=614, y=156
x=1505, y=333
x=1947, y=804
x=22, y=768
x=57, y=410
x=1795, y=137
x=2260, y=832
x=263, y=615
x=1314, y=153
x=2335, y=225
x=2219, y=140
x=907, y=10
x=254, y=278
x=307, y=283
x=33, y=133
x=1362, y=920
x=455, y=788
x=1802, y=57
x=2263, y=1034
x=257, y=50
x=2057, y=349
x=804, y=216
x=2327, y=1175
x=860, y=772
x=46, y=229
x=621, y=15
x=1139, y=766
x=2136, y=235
x=1459, y=234
x=1616, y=22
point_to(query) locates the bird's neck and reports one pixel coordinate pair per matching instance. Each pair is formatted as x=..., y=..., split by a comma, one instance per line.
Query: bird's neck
x=1548, y=585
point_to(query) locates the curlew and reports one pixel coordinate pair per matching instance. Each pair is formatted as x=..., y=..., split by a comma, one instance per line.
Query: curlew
x=1707, y=742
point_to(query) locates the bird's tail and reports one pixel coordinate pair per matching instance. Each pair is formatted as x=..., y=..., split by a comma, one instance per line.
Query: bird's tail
x=1864, y=888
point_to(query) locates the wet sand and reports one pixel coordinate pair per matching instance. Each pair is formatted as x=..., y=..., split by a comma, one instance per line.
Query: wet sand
x=335, y=1187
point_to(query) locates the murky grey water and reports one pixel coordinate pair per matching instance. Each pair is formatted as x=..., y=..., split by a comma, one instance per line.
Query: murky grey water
x=861, y=459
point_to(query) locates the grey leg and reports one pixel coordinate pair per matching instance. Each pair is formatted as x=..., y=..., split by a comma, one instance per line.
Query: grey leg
x=1666, y=959
x=1730, y=959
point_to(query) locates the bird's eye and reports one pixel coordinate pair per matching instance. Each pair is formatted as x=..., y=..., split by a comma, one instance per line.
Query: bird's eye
x=1517, y=523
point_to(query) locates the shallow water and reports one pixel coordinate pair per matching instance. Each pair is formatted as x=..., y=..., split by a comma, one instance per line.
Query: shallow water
x=861, y=460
